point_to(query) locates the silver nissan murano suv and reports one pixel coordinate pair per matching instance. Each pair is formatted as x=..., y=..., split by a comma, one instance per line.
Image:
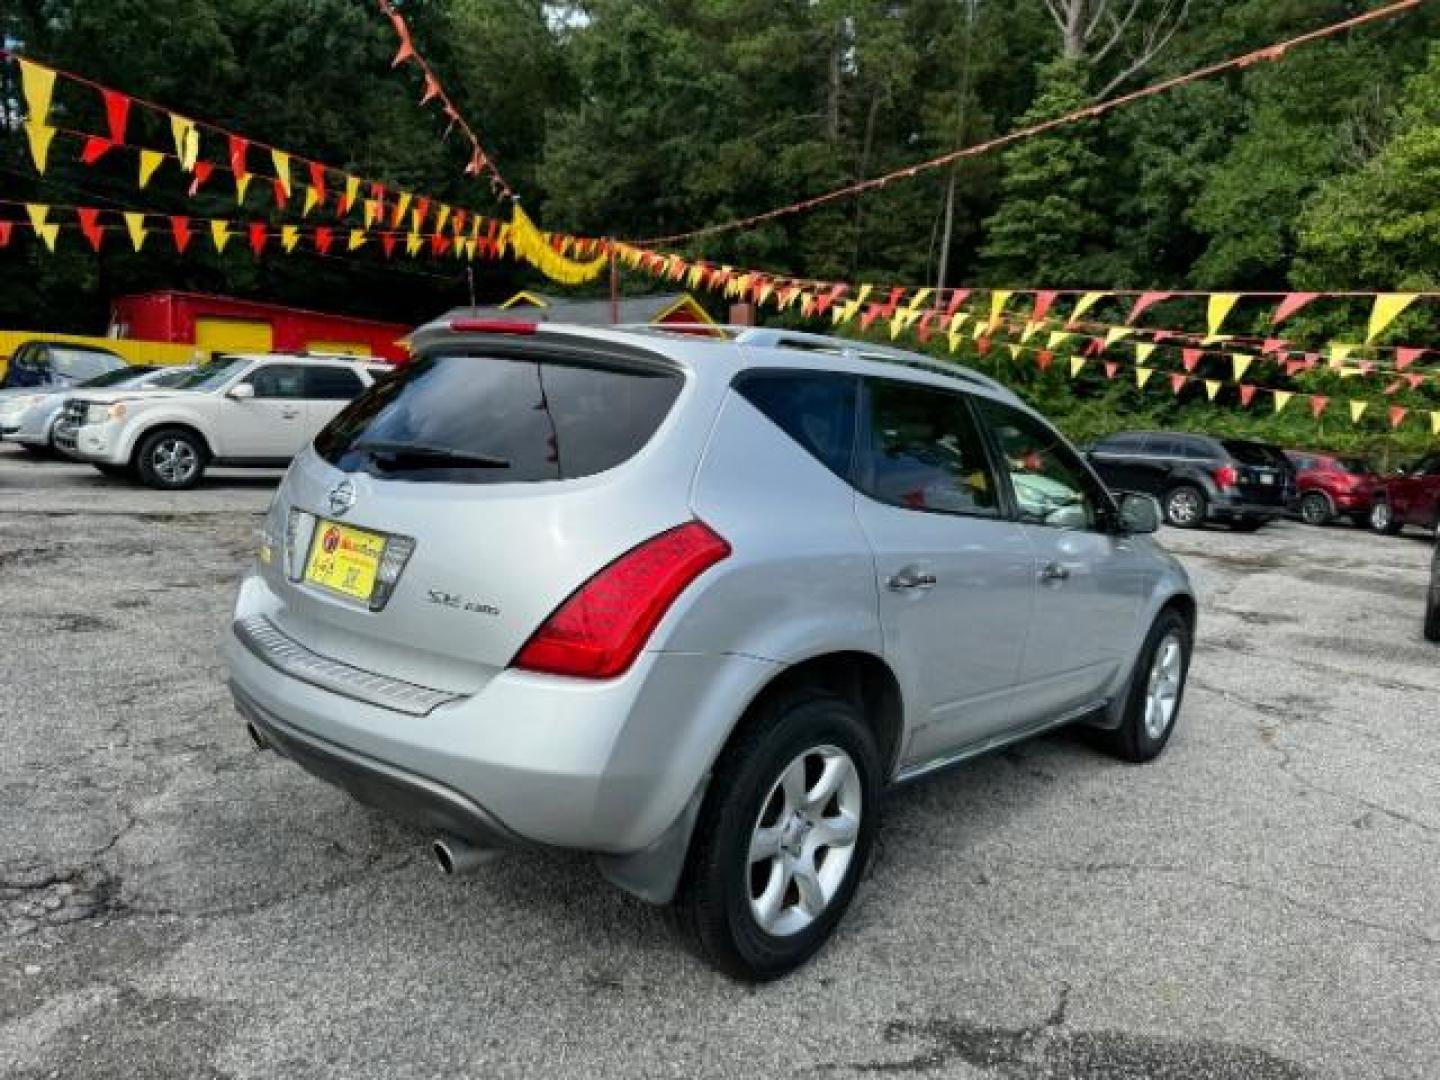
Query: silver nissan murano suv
x=691, y=603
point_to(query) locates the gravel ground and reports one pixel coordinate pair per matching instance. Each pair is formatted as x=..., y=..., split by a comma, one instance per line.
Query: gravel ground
x=1263, y=902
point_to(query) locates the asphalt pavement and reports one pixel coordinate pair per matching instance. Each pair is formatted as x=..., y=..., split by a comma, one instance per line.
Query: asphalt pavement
x=1262, y=903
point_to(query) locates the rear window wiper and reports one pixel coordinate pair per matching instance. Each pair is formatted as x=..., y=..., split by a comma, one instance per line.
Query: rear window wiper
x=417, y=455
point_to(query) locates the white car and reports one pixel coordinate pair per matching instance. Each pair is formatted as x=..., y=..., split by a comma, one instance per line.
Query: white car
x=238, y=411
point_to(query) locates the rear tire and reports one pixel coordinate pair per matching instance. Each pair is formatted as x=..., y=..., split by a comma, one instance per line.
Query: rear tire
x=36, y=450
x=1383, y=520
x=1432, y=603
x=1185, y=506
x=761, y=894
x=1249, y=525
x=1315, y=508
x=171, y=459
x=1157, y=690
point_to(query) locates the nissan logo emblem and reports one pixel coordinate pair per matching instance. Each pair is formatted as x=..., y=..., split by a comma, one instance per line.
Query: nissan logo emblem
x=341, y=497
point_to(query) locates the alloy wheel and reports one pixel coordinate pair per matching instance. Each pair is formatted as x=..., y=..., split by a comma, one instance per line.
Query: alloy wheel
x=1162, y=692
x=1380, y=516
x=1314, y=509
x=804, y=840
x=174, y=460
x=1183, y=506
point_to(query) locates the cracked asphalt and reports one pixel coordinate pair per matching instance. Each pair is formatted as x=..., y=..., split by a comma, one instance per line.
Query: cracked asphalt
x=1262, y=903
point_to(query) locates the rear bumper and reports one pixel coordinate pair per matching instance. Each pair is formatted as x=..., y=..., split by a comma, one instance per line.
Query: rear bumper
x=1228, y=508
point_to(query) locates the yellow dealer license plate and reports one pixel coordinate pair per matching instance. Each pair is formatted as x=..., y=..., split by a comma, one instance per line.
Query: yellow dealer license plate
x=344, y=559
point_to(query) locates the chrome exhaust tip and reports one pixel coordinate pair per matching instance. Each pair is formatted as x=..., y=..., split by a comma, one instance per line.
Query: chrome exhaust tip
x=455, y=857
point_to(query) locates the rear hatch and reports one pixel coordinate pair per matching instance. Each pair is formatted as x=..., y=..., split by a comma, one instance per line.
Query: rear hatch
x=502, y=481
x=1265, y=476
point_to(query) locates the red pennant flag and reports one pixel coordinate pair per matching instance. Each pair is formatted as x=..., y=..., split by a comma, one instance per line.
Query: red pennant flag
x=982, y=345
x=1162, y=336
x=439, y=244
x=1366, y=367
x=180, y=232
x=1111, y=367
x=1190, y=358
x=258, y=235
x=1397, y=416
x=894, y=302
x=1318, y=405
x=1415, y=381
x=239, y=150
x=1394, y=386
x=95, y=148
x=822, y=303
x=203, y=169
x=90, y=226
x=1177, y=383
x=407, y=48
x=1146, y=301
x=7, y=229
x=1247, y=394
x=117, y=114
x=281, y=199
x=432, y=89
x=317, y=181
x=1292, y=303
x=1312, y=361
x=922, y=332
x=1043, y=359
x=387, y=241
x=868, y=317
x=1404, y=357
x=1095, y=347
x=323, y=239
x=457, y=224
x=1273, y=345
x=1043, y=302
x=957, y=297
x=1294, y=367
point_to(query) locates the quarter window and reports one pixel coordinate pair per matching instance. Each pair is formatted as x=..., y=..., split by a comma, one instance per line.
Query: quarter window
x=925, y=452
x=817, y=410
x=1051, y=486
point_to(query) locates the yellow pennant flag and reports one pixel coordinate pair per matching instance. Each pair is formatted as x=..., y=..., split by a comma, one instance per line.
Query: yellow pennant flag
x=1240, y=363
x=1435, y=423
x=1212, y=387
x=981, y=329
x=40, y=136
x=955, y=340
x=843, y=313
x=289, y=237
x=187, y=141
x=861, y=296
x=1031, y=329
x=1117, y=333
x=219, y=234
x=918, y=300
x=1340, y=353
x=352, y=189
x=1142, y=375
x=1282, y=398
x=372, y=208
x=1388, y=307
x=357, y=240
x=1057, y=338
x=442, y=215
x=896, y=325
x=1221, y=304
x=692, y=279
x=1143, y=350
x=281, y=161
x=312, y=200
x=135, y=226
x=149, y=161
x=242, y=185
x=957, y=321
x=45, y=229
x=1084, y=304
x=1014, y=351
x=1357, y=410
x=998, y=299
x=39, y=85
x=402, y=206
x=1350, y=373
x=1077, y=363
x=413, y=243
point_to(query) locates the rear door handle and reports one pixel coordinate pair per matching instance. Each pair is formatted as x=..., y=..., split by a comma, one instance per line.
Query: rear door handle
x=911, y=578
x=1055, y=572
x=289, y=414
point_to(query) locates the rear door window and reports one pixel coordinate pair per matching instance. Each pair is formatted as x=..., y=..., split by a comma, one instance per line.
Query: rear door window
x=816, y=409
x=925, y=452
x=332, y=384
x=491, y=420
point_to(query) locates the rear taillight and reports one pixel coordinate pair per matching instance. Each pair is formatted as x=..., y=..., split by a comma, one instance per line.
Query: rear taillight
x=601, y=628
x=1226, y=476
x=493, y=326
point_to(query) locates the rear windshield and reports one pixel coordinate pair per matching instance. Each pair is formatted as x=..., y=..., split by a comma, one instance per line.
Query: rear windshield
x=1356, y=466
x=1249, y=453
x=482, y=420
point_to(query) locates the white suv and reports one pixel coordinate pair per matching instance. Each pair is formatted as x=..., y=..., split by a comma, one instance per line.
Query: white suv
x=239, y=411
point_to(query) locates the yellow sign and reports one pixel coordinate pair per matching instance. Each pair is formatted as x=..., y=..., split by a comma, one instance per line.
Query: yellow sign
x=345, y=559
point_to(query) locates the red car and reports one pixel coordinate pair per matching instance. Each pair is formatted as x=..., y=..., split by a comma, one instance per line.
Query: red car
x=1331, y=487
x=1410, y=497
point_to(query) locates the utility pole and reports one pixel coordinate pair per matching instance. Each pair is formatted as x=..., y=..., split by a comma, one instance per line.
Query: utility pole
x=972, y=10
x=614, y=290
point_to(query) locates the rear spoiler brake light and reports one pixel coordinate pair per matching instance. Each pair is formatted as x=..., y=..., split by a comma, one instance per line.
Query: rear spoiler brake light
x=493, y=326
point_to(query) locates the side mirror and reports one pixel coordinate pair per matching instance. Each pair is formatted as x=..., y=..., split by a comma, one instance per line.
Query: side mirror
x=1139, y=514
x=241, y=392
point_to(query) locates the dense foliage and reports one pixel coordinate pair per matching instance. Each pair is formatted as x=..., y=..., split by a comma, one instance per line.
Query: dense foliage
x=636, y=117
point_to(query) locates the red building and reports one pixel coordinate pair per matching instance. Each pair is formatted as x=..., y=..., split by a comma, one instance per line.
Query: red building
x=216, y=324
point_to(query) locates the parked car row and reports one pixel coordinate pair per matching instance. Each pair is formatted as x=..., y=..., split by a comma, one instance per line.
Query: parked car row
x=166, y=426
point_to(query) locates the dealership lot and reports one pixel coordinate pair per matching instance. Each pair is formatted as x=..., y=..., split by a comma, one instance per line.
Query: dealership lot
x=1262, y=902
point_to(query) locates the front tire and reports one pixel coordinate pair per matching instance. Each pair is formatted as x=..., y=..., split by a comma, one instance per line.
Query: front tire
x=1383, y=520
x=1315, y=508
x=114, y=472
x=171, y=459
x=1157, y=690
x=1185, y=506
x=784, y=836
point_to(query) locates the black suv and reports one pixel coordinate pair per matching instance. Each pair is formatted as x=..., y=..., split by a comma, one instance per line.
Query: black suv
x=1198, y=478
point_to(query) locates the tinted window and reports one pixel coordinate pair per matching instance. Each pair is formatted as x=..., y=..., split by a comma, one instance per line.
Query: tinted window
x=1051, y=485
x=814, y=409
x=278, y=381
x=1428, y=466
x=508, y=420
x=332, y=384
x=73, y=363
x=925, y=453
x=1121, y=444
x=118, y=376
x=1355, y=466
x=1163, y=446
x=1251, y=453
